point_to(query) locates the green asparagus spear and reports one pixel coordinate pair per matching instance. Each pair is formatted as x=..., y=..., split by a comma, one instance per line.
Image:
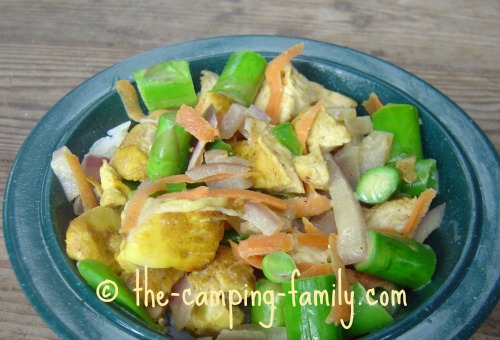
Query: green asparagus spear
x=170, y=150
x=398, y=259
x=285, y=134
x=241, y=77
x=261, y=312
x=427, y=178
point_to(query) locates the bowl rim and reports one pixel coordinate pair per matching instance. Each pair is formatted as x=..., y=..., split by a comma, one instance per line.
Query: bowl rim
x=27, y=246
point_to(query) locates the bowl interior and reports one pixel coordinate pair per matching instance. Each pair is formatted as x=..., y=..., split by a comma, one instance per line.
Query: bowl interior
x=456, y=187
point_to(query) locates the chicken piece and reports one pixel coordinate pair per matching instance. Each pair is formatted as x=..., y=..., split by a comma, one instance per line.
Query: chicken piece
x=211, y=318
x=312, y=169
x=142, y=135
x=94, y=235
x=224, y=273
x=185, y=241
x=130, y=163
x=326, y=133
x=271, y=160
x=299, y=94
x=206, y=97
x=114, y=192
x=208, y=80
x=391, y=215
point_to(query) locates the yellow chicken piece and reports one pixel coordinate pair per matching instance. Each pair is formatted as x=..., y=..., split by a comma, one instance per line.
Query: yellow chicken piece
x=185, y=241
x=299, y=94
x=114, y=192
x=312, y=169
x=223, y=275
x=130, y=163
x=142, y=135
x=271, y=160
x=326, y=133
x=94, y=235
x=391, y=215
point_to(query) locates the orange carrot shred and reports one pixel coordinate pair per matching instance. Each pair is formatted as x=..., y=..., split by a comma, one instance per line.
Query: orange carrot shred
x=421, y=207
x=319, y=241
x=254, y=261
x=373, y=104
x=196, y=125
x=260, y=244
x=304, y=124
x=130, y=100
x=274, y=72
x=317, y=269
x=309, y=227
x=311, y=205
x=87, y=195
x=340, y=311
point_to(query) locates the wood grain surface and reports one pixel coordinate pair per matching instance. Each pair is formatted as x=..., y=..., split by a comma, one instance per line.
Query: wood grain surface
x=49, y=47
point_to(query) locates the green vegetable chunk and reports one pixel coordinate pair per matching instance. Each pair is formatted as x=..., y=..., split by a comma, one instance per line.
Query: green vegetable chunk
x=403, y=121
x=398, y=259
x=95, y=272
x=308, y=321
x=268, y=313
x=278, y=266
x=367, y=317
x=427, y=178
x=233, y=236
x=220, y=145
x=241, y=77
x=377, y=184
x=170, y=151
x=167, y=85
x=285, y=134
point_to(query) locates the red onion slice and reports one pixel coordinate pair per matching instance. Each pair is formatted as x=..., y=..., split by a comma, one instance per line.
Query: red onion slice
x=210, y=169
x=232, y=120
x=181, y=311
x=255, y=112
x=91, y=164
x=429, y=223
x=234, y=182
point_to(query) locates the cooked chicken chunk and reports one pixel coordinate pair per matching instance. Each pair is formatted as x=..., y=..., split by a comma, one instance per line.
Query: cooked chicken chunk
x=210, y=319
x=94, y=235
x=130, y=163
x=142, y=135
x=114, y=192
x=185, y=241
x=312, y=169
x=391, y=215
x=299, y=94
x=271, y=160
x=326, y=133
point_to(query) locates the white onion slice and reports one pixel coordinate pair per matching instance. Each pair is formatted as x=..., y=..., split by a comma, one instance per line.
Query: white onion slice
x=62, y=170
x=262, y=218
x=429, y=223
x=197, y=155
x=106, y=146
x=232, y=120
x=210, y=169
x=181, y=311
x=254, y=112
x=215, y=155
x=234, y=182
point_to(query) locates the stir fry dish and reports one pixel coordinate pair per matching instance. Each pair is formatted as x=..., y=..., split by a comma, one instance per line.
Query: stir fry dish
x=261, y=206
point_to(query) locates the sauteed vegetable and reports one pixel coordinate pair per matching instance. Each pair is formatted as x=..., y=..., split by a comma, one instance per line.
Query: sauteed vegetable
x=229, y=211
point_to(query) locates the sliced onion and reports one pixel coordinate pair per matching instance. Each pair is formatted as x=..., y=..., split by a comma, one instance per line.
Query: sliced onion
x=429, y=223
x=211, y=116
x=106, y=146
x=232, y=120
x=62, y=170
x=210, y=169
x=78, y=208
x=197, y=155
x=215, y=156
x=254, y=112
x=181, y=311
x=91, y=164
x=263, y=218
x=325, y=222
x=349, y=219
x=234, y=182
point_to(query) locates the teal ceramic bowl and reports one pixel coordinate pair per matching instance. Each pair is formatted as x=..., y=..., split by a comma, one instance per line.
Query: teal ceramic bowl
x=463, y=291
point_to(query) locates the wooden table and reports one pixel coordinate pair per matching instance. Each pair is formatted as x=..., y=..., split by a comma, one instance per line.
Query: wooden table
x=49, y=47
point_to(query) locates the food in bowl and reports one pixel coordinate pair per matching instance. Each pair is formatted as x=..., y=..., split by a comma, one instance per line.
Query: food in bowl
x=262, y=185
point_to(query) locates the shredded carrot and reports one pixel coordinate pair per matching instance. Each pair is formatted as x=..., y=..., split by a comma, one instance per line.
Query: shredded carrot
x=87, y=195
x=304, y=124
x=303, y=266
x=309, y=227
x=317, y=269
x=311, y=205
x=373, y=104
x=319, y=241
x=254, y=261
x=130, y=100
x=368, y=281
x=268, y=200
x=274, y=72
x=260, y=244
x=340, y=311
x=419, y=210
x=196, y=125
